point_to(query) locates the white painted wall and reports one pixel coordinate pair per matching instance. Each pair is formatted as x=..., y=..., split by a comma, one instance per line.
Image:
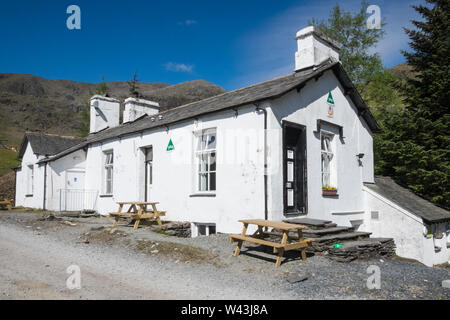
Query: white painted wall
x=312, y=50
x=57, y=176
x=406, y=229
x=56, y=179
x=135, y=108
x=104, y=113
x=240, y=182
x=437, y=251
x=24, y=196
x=304, y=108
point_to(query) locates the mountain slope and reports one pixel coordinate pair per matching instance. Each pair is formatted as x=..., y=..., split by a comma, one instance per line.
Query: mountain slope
x=30, y=103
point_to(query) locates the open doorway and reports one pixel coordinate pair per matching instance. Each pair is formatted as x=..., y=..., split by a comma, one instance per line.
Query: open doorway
x=294, y=169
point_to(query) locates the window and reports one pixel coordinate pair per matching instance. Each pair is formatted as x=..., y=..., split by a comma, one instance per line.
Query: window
x=203, y=229
x=148, y=152
x=328, y=176
x=109, y=170
x=149, y=165
x=30, y=185
x=205, y=155
x=375, y=215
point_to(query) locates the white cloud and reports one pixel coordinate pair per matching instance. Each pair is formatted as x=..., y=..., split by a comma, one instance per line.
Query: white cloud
x=179, y=67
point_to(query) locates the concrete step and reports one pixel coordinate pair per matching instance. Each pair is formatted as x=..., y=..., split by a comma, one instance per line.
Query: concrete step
x=312, y=223
x=314, y=233
x=340, y=234
x=330, y=225
x=344, y=236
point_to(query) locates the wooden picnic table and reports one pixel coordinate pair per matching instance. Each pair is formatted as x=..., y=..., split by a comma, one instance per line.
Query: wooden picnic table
x=137, y=211
x=6, y=203
x=281, y=247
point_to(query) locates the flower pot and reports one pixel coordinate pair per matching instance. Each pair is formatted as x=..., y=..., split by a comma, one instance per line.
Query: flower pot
x=329, y=192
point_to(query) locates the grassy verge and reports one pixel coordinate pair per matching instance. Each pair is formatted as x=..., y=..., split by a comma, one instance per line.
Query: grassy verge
x=8, y=160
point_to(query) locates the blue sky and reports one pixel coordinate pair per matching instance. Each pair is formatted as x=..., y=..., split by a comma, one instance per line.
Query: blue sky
x=231, y=43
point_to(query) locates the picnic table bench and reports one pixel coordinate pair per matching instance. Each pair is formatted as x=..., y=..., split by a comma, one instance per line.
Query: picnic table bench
x=138, y=211
x=6, y=203
x=278, y=247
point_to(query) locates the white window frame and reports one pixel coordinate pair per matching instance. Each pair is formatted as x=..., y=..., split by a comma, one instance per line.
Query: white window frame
x=108, y=164
x=328, y=151
x=30, y=180
x=200, y=150
x=210, y=228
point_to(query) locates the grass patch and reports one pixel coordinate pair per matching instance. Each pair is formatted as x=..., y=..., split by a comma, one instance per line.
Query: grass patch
x=8, y=160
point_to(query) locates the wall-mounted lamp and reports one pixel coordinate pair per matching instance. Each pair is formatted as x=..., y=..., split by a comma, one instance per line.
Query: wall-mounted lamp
x=360, y=156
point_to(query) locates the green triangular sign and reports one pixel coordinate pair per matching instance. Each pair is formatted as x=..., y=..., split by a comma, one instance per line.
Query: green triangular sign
x=330, y=98
x=170, y=146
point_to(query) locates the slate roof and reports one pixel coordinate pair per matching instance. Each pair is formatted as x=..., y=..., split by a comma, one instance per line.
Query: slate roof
x=47, y=144
x=229, y=100
x=388, y=188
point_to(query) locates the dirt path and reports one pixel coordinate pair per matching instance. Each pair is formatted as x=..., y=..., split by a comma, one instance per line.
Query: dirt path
x=34, y=261
x=122, y=263
x=33, y=269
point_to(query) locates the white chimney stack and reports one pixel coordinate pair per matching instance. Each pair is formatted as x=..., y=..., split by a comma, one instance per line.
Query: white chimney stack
x=105, y=113
x=136, y=108
x=314, y=48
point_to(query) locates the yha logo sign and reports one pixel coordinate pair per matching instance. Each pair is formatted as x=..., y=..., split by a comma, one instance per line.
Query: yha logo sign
x=330, y=102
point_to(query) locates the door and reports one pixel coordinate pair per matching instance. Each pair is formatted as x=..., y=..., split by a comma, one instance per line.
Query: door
x=294, y=168
x=148, y=152
x=75, y=180
x=73, y=195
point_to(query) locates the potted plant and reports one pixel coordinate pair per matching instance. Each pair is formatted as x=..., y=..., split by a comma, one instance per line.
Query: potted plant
x=329, y=191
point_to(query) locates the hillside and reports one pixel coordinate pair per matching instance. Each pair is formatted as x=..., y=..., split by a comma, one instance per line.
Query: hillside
x=30, y=103
x=403, y=71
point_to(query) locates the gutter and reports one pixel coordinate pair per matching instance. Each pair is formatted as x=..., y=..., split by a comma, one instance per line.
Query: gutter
x=266, y=213
x=45, y=185
x=15, y=185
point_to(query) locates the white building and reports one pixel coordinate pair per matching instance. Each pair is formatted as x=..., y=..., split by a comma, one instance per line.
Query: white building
x=297, y=145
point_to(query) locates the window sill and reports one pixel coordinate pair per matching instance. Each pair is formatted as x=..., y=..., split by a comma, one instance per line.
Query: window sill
x=202, y=195
x=105, y=196
x=329, y=193
x=28, y=195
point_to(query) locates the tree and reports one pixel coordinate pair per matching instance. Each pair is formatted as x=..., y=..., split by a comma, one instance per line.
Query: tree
x=133, y=88
x=351, y=31
x=85, y=119
x=102, y=88
x=415, y=147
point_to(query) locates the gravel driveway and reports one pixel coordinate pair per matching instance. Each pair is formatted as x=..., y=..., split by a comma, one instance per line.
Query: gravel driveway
x=125, y=264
